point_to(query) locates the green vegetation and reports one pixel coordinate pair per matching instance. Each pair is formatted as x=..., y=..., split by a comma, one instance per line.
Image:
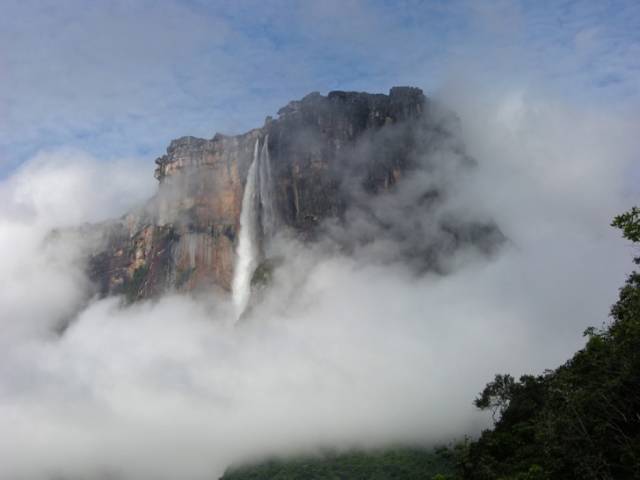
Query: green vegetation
x=133, y=286
x=403, y=463
x=263, y=274
x=579, y=421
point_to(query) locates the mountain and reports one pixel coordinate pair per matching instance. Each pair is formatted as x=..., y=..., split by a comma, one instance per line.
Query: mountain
x=351, y=167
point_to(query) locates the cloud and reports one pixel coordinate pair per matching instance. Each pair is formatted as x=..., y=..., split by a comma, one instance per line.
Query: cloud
x=124, y=79
x=55, y=190
x=342, y=352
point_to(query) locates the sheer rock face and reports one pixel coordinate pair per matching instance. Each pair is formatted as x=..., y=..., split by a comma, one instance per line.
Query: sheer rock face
x=329, y=155
x=184, y=237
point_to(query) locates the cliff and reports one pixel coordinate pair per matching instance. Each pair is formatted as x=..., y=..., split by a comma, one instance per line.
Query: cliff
x=329, y=156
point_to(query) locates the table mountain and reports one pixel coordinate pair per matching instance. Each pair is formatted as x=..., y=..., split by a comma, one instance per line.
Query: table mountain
x=356, y=168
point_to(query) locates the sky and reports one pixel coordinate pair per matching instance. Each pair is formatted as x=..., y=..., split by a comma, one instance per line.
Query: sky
x=119, y=78
x=343, y=352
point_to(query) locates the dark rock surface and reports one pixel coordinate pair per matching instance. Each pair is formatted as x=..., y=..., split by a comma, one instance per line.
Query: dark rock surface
x=337, y=162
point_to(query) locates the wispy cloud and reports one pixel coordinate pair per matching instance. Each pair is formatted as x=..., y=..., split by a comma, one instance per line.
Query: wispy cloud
x=122, y=78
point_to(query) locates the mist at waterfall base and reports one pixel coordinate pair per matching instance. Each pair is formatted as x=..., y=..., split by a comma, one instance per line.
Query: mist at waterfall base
x=342, y=351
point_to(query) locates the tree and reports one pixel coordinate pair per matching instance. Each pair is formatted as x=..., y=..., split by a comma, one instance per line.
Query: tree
x=629, y=223
x=497, y=395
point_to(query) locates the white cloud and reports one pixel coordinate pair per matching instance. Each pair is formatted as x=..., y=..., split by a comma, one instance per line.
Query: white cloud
x=42, y=279
x=340, y=353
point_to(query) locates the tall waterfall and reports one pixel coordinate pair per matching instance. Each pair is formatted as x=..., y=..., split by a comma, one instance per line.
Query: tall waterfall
x=257, y=224
x=247, y=252
x=267, y=209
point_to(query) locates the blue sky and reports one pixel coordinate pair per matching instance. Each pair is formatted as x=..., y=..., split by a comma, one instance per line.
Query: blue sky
x=121, y=79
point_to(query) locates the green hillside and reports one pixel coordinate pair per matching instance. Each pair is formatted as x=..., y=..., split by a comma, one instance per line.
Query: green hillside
x=401, y=463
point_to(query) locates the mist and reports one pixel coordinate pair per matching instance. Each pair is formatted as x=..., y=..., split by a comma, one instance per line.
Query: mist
x=343, y=352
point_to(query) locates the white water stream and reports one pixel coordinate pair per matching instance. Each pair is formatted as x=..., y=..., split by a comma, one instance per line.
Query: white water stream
x=247, y=251
x=257, y=224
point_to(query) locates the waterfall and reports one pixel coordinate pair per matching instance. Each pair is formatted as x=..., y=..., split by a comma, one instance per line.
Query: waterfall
x=247, y=252
x=257, y=224
x=267, y=209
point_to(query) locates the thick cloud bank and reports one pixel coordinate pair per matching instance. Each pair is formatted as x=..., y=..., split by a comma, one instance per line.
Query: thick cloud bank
x=341, y=352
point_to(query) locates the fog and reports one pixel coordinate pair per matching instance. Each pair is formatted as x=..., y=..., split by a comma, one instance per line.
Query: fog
x=342, y=352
